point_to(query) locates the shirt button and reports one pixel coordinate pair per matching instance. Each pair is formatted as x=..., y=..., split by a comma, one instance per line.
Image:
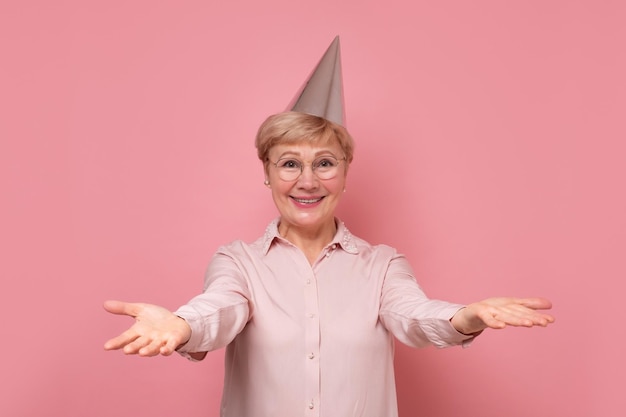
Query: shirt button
x=311, y=405
x=311, y=355
x=308, y=281
x=311, y=315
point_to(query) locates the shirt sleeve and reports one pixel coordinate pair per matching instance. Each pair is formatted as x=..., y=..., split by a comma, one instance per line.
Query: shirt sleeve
x=218, y=314
x=411, y=316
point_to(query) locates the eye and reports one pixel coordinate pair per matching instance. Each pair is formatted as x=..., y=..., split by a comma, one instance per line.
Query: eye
x=288, y=163
x=325, y=162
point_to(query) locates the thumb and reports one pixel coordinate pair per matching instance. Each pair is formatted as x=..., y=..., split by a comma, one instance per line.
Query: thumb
x=121, y=307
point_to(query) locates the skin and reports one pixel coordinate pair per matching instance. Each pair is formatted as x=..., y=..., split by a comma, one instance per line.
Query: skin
x=157, y=331
x=308, y=226
x=501, y=312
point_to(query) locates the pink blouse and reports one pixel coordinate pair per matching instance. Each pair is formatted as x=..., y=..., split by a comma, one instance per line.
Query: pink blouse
x=312, y=340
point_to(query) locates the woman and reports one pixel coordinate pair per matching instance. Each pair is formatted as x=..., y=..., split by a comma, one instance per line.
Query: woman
x=308, y=312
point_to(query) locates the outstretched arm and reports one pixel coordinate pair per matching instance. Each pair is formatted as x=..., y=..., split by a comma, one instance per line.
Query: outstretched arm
x=156, y=330
x=501, y=312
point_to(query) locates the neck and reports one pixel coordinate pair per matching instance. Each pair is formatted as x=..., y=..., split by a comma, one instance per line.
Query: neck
x=311, y=240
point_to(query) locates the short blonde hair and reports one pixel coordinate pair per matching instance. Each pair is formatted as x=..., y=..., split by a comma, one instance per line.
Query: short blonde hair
x=294, y=127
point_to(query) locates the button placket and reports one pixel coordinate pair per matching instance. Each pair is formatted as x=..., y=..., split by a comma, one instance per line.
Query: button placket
x=312, y=341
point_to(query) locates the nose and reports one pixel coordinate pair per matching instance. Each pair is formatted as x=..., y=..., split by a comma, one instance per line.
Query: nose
x=308, y=179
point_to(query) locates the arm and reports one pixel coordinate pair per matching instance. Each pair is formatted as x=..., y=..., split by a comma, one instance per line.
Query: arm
x=410, y=315
x=218, y=314
x=209, y=321
x=501, y=312
x=418, y=321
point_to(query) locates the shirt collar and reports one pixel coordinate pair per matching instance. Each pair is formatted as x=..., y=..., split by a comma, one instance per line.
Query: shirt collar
x=343, y=237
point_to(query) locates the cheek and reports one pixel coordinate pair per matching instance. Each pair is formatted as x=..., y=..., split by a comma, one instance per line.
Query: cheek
x=279, y=188
x=336, y=186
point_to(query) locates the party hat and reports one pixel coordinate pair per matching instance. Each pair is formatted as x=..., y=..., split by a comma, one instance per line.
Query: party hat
x=322, y=93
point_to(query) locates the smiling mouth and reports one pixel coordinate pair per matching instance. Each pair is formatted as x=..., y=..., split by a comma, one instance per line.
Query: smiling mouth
x=307, y=200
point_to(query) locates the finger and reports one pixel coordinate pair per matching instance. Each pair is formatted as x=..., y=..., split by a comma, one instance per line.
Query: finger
x=122, y=340
x=170, y=346
x=153, y=349
x=518, y=315
x=521, y=311
x=526, y=319
x=491, y=320
x=137, y=345
x=536, y=303
x=543, y=319
x=532, y=316
x=121, y=307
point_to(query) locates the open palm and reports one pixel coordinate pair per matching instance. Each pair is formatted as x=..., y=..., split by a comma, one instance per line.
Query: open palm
x=156, y=330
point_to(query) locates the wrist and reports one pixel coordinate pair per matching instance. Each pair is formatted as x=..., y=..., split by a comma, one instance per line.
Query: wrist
x=463, y=324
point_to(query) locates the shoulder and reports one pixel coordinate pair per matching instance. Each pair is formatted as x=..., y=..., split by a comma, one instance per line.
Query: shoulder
x=366, y=249
x=233, y=262
x=240, y=249
x=373, y=254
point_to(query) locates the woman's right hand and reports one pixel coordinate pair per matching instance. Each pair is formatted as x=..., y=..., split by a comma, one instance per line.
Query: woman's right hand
x=156, y=331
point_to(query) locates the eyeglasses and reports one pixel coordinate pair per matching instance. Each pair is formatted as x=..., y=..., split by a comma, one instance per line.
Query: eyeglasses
x=324, y=167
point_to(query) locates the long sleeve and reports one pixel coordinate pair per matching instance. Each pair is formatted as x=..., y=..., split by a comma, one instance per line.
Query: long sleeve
x=321, y=335
x=411, y=316
x=218, y=314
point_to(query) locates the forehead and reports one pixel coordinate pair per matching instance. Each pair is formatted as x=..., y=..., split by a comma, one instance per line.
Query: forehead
x=305, y=150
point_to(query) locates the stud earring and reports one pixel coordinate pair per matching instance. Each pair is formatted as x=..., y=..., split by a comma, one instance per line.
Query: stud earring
x=267, y=183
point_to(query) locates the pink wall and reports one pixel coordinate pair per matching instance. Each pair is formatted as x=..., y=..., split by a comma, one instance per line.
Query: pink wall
x=490, y=151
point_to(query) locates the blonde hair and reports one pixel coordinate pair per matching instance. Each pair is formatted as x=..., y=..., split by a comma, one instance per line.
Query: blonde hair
x=294, y=127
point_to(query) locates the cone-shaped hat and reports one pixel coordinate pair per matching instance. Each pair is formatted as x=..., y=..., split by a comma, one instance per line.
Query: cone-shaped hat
x=322, y=93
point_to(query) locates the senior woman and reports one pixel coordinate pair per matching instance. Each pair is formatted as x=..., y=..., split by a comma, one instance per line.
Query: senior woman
x=308, y=312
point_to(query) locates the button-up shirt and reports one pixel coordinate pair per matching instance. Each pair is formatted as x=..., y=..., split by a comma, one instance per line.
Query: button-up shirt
x=312, y=340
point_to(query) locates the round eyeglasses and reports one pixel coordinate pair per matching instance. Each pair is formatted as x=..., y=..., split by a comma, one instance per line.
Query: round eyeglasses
x=324, y=167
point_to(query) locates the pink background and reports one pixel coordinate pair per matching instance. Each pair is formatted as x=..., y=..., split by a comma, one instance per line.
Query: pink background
x=490, y=150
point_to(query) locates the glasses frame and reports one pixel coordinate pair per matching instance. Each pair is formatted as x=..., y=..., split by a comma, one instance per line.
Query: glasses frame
x=303, y=165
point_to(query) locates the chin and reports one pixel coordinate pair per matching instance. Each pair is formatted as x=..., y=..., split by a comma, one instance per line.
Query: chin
x=307, y=220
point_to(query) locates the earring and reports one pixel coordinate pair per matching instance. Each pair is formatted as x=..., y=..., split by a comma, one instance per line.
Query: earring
x=267, y=183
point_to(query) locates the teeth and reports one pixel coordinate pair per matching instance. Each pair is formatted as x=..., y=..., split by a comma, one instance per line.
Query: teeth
x=307, y=201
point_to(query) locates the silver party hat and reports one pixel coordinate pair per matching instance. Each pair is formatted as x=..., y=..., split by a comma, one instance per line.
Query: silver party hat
x=322, y=93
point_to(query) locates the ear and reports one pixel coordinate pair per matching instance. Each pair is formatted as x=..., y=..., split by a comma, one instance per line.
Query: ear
x=266, y=172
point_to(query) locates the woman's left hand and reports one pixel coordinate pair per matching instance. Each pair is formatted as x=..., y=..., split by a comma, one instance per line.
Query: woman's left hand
x=501, y=312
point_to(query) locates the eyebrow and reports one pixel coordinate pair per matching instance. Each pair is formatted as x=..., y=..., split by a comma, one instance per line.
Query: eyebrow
x=298, y=154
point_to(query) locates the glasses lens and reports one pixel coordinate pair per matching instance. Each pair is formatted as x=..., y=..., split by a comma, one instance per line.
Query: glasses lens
x=289, y=169
x=324, y=167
